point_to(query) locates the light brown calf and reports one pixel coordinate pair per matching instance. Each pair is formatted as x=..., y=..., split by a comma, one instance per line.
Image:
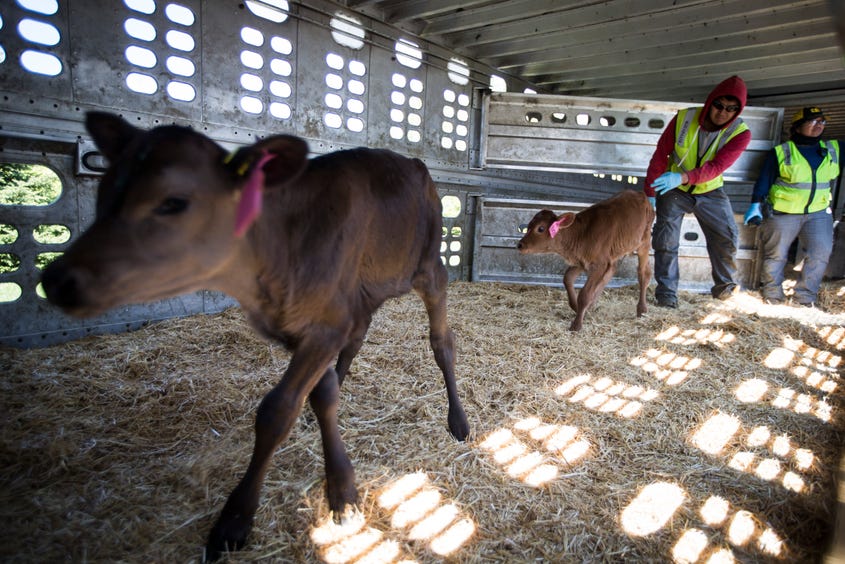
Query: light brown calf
x=594, y=240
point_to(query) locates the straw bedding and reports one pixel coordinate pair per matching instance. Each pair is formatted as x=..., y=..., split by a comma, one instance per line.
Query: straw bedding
x=711, y=431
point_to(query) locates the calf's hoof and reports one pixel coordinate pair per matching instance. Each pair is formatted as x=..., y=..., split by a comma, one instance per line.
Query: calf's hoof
x=458, y=425
x=350, y=514
x=227, y=535
x=342, y=495
x=575, y=326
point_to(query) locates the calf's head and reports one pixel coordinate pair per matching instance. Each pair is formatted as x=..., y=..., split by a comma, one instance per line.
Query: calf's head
x=542, y=230
x=166, y=214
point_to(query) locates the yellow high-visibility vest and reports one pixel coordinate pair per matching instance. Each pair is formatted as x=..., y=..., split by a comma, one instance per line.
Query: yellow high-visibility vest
x=798, y=189
x=685, y=156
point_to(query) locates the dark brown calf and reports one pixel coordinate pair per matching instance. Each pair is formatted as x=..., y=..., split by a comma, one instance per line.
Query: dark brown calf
x=594, y=240
x=338, y=235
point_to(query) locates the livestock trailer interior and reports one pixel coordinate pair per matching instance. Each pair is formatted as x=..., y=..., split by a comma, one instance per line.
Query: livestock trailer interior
x=336, y=77
x=514, y=107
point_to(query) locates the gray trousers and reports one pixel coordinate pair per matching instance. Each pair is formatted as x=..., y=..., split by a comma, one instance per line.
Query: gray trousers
x=815, y=235
x=715, y=216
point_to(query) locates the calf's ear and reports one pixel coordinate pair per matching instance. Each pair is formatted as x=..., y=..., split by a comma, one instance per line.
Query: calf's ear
x=283, y=156
x=111, y=133
x=562, y=222
x=565, y=220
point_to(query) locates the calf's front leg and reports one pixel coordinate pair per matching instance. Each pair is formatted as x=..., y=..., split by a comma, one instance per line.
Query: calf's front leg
x=569, y=283
x=273, y=423
x=597, y=279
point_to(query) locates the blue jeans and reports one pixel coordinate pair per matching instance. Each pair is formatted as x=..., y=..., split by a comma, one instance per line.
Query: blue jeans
x=815, y=235
x=716, y=217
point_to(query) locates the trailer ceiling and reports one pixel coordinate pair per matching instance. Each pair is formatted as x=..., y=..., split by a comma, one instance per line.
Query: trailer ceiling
x=788, y=52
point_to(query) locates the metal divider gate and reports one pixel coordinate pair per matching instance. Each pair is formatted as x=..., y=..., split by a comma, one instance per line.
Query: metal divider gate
x=591, y=135
x=499, y=226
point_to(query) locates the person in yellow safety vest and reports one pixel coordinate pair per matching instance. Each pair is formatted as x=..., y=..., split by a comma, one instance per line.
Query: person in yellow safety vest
x=685, y=176
x=792, y=198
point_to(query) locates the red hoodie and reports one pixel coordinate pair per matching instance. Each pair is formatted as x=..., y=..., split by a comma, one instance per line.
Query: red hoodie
x=724, y=158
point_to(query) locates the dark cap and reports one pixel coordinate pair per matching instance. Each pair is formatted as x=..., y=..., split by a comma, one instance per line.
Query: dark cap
x=806, y=114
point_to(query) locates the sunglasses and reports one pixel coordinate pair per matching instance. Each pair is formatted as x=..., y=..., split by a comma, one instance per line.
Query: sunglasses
x=720, y=106
x=817, y=121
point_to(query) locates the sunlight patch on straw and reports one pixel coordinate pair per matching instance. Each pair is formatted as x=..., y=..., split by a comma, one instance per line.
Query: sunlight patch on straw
x=714, y=511
x=834, y=336
x=716, y=433
x=740, y=527
x=605, y=395
x=418, y=508
x=670, y=368
x=351, y=540
x=756, y=390
x=653, y=507
x=700, y=336
x=722, y=429
x=519, y=461
x=690, y=546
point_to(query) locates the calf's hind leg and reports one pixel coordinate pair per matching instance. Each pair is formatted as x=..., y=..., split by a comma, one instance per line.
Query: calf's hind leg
x=431, y=287
x=340, y=476
x=344, y=359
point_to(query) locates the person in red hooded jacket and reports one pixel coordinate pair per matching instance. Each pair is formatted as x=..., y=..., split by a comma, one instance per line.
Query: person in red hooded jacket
x=685, y=176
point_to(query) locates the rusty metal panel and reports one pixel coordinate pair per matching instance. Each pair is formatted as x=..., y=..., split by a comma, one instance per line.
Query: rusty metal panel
x=315, y=44
x=457, y=235
x=447, y=127
x=30, y=320
x=232, y=37
x=393, y=122
x=500, y=223
x=577, y=134
x=59, y=85
x=94, y=60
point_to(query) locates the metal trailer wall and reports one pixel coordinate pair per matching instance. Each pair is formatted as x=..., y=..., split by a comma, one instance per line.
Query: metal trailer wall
x=575, y=134
x=499, y=224
x=241, y=71
x=237, y=72
x=569, y=133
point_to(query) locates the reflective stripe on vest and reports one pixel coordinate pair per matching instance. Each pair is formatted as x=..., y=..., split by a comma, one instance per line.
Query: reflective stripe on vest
x=685, y=156
x=798, y=189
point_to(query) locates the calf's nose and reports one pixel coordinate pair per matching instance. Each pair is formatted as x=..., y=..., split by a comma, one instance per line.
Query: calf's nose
x=62, y=285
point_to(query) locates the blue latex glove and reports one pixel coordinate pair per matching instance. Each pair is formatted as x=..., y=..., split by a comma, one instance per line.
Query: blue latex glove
x=666, y=182
x=652, y=201
x=752, y=214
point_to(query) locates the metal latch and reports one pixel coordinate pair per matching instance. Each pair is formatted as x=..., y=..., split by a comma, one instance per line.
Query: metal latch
x=89, y=160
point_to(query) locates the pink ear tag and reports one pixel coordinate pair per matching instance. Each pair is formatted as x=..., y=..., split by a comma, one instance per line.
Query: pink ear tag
x=249, y=206
x=555, y=227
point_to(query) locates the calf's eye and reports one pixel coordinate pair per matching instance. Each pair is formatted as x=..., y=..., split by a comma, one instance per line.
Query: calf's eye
x=171, y=206
x=540, y=229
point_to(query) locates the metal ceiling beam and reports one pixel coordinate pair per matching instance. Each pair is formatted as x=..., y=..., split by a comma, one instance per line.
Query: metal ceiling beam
x=599, y=68
x=631, y=33
x=612, y=19
x=785, y=71
x=491, y=14
x=766, y=31
x=408, y=10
